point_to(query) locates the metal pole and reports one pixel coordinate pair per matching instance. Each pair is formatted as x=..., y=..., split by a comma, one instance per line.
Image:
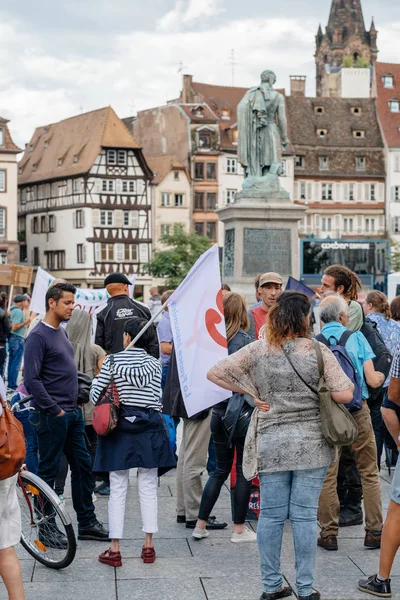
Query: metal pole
x=141, y=332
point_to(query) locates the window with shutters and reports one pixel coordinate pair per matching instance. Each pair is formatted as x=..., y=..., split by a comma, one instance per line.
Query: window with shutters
x=132, y=187
x=119, y=252
x=178, y=200
x=230, y=196
x=107, y=218
x=43, y=225
x=372, y=191
x=211, y=201
x=111, y=157
x=35, y=225
x=351, y=191
x=126, y=218
x=326, y=191
x=2, y=222
x=348, y=225
x=79, y=219
x=396, y=193
x=303, y=190
x=165, y=199
x=52, y=223
x=199, y=201
x=124, y=186
x=199, y=228
x=55, y=259
x=131, y=253
x=108, y=185
x=80, y=254
x=2, y=180
x=326, y=224
x=143, y=253
x=165, y=229
x=75, y=186
x=121, y=157
x=199, y=170
x=104, y=252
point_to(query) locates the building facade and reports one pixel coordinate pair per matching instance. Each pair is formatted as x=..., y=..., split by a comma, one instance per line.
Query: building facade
x=339, y=167
x=9, y=253
x=84, y=201
x=388, y=105
x=171, y=197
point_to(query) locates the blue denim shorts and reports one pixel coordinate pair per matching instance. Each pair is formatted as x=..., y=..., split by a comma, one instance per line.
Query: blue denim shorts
x=395, y=491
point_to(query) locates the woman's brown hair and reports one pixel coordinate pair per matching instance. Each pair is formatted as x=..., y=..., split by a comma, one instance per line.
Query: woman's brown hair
x=287, y=319
x=235, y=312
x=380, y=303
x=395, y=308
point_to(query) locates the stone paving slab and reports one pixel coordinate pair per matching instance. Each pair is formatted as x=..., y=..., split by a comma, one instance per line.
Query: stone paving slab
x=188, y=588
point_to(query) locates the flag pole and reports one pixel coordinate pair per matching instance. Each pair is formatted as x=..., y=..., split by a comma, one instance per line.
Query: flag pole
x=145, y=328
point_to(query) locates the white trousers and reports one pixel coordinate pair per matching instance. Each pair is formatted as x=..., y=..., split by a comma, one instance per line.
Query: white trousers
x=147, y=482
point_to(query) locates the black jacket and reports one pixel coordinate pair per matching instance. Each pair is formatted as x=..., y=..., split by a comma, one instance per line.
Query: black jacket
x=111, y=321
x=5, y=326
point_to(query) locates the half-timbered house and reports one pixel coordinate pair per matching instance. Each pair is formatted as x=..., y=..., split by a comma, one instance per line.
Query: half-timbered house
x=84, y=200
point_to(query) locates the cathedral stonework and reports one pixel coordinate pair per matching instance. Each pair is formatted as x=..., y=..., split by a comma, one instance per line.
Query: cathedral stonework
x=346, y=39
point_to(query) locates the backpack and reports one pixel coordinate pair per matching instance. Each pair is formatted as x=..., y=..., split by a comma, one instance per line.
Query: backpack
x=346, y=363
x=383, y=358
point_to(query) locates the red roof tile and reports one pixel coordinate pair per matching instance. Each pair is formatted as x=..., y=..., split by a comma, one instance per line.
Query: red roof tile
x=390, y=121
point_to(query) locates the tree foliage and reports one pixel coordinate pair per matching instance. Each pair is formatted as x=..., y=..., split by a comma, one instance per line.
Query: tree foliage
x=175, y=261
x=395, y=256
x=360, y=63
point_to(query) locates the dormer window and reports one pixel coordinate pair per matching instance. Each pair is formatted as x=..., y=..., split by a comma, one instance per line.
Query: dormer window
x=19, y=170
x=322, y=133
x=299, y=163
x=2, y=136
x=387, y=81
x=356, y=110
x=30, y=147
x=111, y=157
x=34, y=167
x=60, y=162
x=76, y=158
x=319, y=110
x=225, y=114
x=359, y=134
x=394, y=105
x=46, y=144
x=176, y=175
x=204, y=139
x=360, y=163
x=198, y=112
x=323, y=163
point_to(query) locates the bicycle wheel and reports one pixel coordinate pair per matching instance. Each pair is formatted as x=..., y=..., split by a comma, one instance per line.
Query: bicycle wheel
x=43, y=519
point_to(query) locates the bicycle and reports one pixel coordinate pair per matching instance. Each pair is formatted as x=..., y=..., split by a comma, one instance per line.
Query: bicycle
x=43, y=517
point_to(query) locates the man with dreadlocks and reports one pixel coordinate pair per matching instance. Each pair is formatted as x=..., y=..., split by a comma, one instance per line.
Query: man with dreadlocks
x=341, y=280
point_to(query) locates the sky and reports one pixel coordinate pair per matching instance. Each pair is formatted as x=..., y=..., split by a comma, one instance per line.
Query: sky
x=58, y=60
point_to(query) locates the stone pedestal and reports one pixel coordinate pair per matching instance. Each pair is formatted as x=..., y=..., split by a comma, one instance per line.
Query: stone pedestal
x=261, y=235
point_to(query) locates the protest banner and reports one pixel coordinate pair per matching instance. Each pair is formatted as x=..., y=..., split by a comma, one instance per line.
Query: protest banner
x=198, y=328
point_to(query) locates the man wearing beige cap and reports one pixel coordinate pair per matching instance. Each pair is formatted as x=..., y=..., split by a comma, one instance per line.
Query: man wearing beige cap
x=269, y=288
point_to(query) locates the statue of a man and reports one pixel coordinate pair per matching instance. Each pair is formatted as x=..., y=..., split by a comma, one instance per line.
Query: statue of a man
x=262, y=127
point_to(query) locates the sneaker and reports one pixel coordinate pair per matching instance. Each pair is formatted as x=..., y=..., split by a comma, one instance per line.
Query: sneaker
x=52, y=537
x=247, y=536
x=95, y=532
x=313, y=596
x=373, y=586
x=212, y=523
x=328, y=543
x=114, y=559
x=62, y=500
x=373, y=540
x=283, y=593
x=199, y=533
x=148, y=555
x=104, y=490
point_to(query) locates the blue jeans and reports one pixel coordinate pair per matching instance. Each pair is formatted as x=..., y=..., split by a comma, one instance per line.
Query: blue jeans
x=66, y=434
x=289, y=495
x=15, y=354
x=31, y=459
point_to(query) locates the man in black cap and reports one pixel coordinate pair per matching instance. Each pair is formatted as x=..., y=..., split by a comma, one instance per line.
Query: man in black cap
x=120, y=308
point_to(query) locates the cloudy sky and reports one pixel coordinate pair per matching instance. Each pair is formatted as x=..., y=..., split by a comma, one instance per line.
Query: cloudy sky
x=59, y=60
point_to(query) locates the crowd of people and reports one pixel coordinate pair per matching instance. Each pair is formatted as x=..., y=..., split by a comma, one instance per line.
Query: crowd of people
x=268, y=433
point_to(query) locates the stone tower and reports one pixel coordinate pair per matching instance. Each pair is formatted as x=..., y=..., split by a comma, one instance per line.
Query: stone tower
x=345, y=35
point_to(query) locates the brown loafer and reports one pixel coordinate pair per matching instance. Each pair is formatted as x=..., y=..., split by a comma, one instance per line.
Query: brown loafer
x=372, y=540
x=148, y=555
x=328, y=543
x=111, y=558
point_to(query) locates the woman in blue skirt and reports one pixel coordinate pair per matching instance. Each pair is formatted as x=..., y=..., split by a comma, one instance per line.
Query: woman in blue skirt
x=140, y=439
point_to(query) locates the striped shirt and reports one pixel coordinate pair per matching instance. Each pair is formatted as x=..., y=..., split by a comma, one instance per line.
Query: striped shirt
x=137, y=376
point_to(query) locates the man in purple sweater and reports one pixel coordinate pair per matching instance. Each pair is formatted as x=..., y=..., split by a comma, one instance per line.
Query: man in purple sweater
x=51, y=377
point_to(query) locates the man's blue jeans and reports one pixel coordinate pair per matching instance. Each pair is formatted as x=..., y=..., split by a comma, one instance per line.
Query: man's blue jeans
x=66, y=434
x=289, y=495
x=15, y=354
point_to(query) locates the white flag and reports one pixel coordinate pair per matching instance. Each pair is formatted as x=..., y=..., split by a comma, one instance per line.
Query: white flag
x=92, y=301
x=198, y=328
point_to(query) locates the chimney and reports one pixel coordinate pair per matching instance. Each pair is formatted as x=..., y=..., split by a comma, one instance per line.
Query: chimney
x=298, y=85
x=187, y=92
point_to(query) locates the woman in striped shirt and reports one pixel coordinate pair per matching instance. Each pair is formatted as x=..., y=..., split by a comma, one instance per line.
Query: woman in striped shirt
x=140, y=439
